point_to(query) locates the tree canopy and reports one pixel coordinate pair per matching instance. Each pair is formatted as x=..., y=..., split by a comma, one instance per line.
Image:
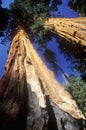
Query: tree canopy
x=31, y=14
x=75, y=53
x=79, y=6
x=77, y=87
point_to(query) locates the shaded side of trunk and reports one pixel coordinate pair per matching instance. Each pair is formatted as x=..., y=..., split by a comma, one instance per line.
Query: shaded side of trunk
x=13, y=89
x=30, y=96
x=72, y=29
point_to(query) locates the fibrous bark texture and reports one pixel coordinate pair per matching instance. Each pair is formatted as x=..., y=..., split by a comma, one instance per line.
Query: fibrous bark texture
x=30, y=96
x=72, y=29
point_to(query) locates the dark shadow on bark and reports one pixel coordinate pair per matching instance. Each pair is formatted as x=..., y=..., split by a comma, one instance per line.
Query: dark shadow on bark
x=14, y=110
x=13, y=105
x=65, y=121
x=52, y=124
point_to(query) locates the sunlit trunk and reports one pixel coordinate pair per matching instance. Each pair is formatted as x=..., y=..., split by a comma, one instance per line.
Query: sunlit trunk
x=72, y=29
x=30, y=96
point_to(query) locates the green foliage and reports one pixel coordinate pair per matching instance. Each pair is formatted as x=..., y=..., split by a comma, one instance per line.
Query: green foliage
x=30, y=15
x=77, y=87
x=75, y=53
x=79, y=6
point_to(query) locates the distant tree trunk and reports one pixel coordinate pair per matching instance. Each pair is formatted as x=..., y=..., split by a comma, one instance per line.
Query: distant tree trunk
x=30, y=96
x=72, y=29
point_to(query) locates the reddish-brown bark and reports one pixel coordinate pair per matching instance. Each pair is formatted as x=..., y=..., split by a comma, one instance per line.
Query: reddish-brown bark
x=30, y=96
x=72, y=29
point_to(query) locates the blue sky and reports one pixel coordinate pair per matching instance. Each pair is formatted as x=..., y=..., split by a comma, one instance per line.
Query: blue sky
x=67, y=12
x=4, y=47
x=3, y=56
x=5, y=3
x=52, y=45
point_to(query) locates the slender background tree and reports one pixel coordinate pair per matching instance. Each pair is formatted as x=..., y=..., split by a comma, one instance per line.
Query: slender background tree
x=30, y=97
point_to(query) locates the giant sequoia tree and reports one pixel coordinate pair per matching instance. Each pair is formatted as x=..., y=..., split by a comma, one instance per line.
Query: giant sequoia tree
x=30, y=97
x=72, y=29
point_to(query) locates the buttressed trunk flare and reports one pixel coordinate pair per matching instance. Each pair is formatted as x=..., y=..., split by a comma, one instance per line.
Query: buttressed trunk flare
x=30, y=96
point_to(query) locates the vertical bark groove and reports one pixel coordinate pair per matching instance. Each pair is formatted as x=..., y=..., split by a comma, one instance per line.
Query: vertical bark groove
x=72, y=29
x=52, y=124
x=30, y=97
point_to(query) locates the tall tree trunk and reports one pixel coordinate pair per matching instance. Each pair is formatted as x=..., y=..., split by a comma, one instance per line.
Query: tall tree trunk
x=72, y=29
x=30, y=96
